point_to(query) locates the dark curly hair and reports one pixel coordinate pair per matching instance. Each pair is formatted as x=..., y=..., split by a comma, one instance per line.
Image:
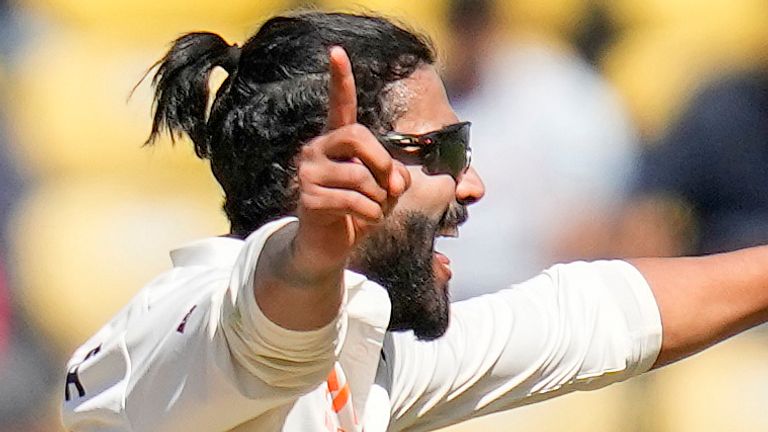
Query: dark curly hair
x=275, y=99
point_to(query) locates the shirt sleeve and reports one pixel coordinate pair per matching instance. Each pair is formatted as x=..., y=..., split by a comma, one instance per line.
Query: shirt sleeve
x=194, y=352
x=279, y=357
x=578, y=326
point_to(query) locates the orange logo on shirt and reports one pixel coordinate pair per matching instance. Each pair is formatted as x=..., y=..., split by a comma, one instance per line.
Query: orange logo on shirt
x=341, y=398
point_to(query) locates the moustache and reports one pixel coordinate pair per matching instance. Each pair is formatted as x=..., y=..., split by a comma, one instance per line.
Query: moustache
x=454, y=216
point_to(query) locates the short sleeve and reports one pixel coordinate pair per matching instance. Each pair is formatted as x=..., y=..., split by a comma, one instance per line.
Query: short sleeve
x=578, y=326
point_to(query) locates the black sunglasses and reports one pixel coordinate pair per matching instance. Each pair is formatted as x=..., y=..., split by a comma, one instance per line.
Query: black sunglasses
x=444, y=151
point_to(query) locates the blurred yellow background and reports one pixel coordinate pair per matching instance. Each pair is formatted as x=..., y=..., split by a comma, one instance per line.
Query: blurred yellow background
x=98, y=213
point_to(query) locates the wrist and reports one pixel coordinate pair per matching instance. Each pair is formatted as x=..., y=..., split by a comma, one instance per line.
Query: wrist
x=306, y=266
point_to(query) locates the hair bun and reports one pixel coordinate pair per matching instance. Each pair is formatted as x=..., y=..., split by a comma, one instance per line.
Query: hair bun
x=232, y=58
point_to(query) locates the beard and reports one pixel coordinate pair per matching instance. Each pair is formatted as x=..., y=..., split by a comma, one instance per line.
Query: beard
x=399, y=256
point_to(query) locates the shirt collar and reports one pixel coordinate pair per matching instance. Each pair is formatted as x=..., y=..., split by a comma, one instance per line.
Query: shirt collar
x=213, y=252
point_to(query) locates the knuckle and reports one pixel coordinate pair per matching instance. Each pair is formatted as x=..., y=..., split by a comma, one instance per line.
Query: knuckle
x=356, y=201
x=310, y=202
x=357, y=175
x=350, y=201
x=359, y=132
x=387, y=162
x=305, y=175
x=312, y=198
x=308, y=151
x=381, y=195
x=376, y=212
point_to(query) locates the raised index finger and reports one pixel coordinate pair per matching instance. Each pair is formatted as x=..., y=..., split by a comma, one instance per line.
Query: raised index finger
x=342, y=95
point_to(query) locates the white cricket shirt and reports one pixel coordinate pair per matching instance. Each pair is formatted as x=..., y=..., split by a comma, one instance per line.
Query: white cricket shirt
x=193, y=352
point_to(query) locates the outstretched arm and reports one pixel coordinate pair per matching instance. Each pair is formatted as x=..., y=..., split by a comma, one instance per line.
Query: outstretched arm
x=704, y=300
x=578, y=326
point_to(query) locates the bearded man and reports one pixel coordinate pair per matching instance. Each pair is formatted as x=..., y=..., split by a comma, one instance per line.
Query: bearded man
x=326, y=307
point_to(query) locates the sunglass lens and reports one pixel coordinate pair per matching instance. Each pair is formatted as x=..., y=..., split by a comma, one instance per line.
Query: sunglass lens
x=450, y=155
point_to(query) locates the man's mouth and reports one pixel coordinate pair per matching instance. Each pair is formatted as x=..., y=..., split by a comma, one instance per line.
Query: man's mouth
x=442, y=265
x=442, y=262
x=455, y=215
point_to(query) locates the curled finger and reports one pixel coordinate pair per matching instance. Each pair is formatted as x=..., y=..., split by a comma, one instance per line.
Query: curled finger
x=352, y=176
x=339, y=202
x=358, y=142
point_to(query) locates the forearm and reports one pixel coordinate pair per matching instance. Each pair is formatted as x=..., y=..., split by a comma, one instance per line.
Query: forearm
x=704, y=300
x=289, y=291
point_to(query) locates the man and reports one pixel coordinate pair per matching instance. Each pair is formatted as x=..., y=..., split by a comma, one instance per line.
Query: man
x=326, y=308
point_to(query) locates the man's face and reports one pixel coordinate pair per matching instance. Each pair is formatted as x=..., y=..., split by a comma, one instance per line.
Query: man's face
x=400, y=255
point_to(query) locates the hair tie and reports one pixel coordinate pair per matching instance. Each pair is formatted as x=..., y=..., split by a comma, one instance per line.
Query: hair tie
x=232, y=58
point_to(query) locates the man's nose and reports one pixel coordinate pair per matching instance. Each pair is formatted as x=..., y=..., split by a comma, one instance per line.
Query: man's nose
x=470, y=188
